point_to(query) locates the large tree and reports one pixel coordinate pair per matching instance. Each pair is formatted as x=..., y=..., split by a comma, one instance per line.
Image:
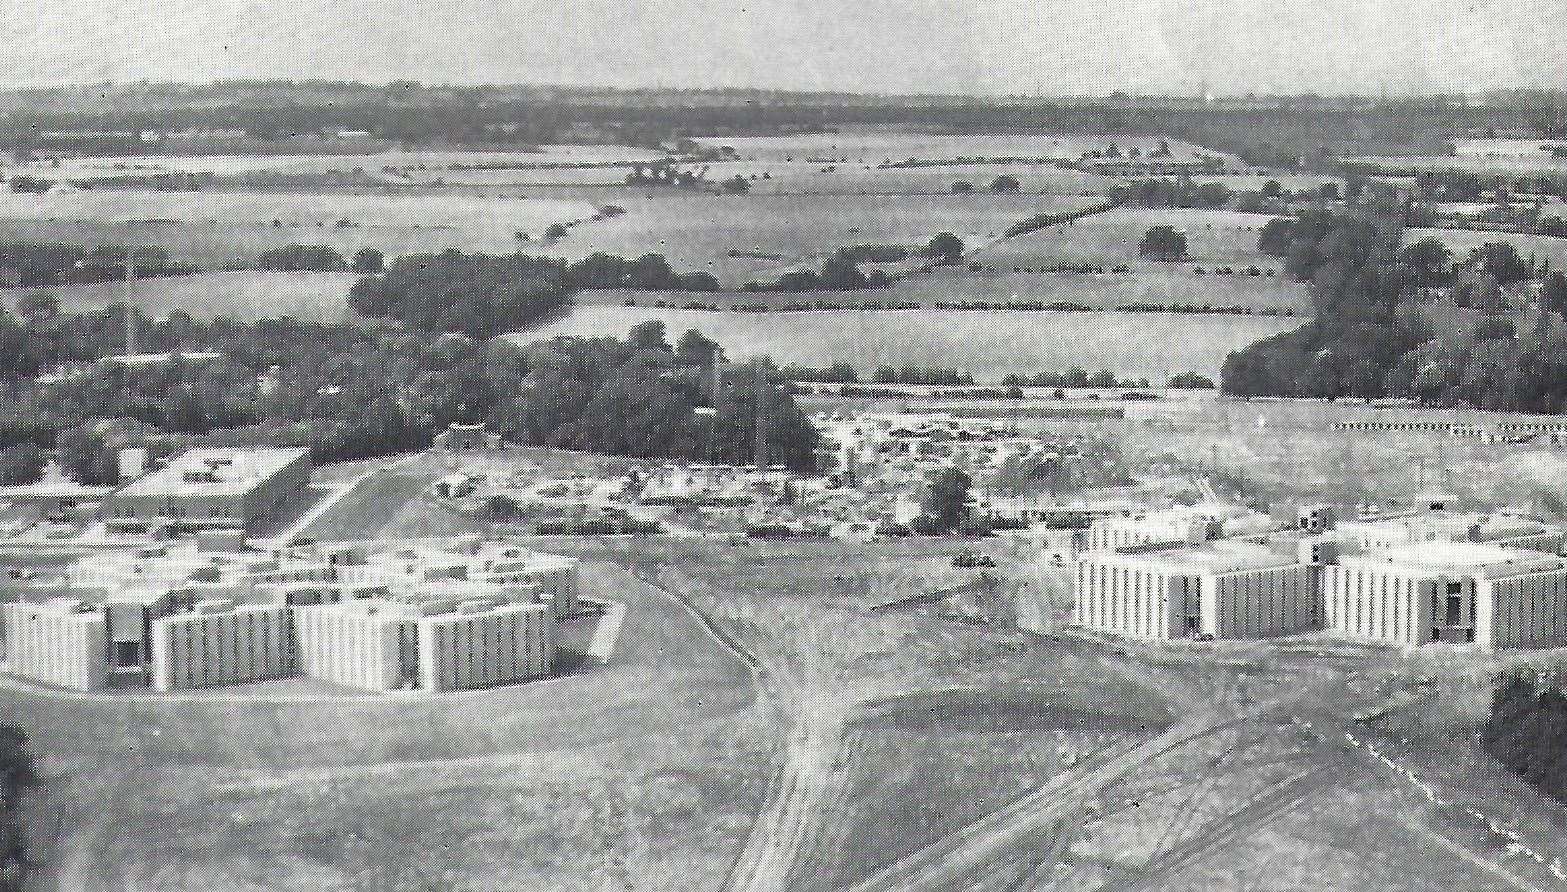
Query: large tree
x=944, y=504
x=945, y=247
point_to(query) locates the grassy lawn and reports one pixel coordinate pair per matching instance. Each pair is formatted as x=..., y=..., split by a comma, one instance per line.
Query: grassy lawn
x=370, y=506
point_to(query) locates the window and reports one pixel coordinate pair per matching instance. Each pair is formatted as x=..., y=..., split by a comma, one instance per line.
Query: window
x=1454, y=588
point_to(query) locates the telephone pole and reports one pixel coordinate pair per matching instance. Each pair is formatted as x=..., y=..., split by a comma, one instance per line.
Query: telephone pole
x=763, y=406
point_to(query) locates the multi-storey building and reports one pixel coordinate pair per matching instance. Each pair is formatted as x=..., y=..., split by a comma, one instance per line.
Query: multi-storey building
x=1416, y=578
x=437, y=615
x=238, y=488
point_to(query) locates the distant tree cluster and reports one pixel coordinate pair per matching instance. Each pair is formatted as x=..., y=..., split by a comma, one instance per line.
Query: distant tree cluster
x=1191, y=381
x=1072, y=377
x=1173, y=193
x=945, y=503
x=21, y=463
x=638, y=397
x=945, y=247
x=480, y=295
x=1369, y=336
x=886, y=374
x=1005, y=184
x=839, y=272
x=650, y=272
x=28, y=264
x=837, y=373
x=357, y=389
x=302, y=258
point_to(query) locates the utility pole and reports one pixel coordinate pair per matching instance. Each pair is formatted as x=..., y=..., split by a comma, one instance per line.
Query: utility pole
x=763, y=406
x=130, y=309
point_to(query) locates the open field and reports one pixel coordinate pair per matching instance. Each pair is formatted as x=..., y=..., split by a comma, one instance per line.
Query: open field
x=1013, y=761
x=1519, y=165
x=697, y=232
x=1213, y=237
x=215, y=228
x=416, y=162
x=989, y=344
x=1288, y=452
x=371, y=505
x=245, y=296
x=1462, y=241
x=1176, y=284
x=873, y=145
x=648, y=772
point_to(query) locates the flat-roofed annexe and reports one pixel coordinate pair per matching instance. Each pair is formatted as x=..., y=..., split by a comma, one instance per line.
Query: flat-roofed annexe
x=239, y=488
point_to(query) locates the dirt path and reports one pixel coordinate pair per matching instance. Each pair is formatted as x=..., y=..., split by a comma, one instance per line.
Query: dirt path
x=809, y=778
x=812, y=769
x=986, y=853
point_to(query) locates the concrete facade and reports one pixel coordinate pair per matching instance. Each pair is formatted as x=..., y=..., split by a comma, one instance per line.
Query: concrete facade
x=1463, y=592
x=357, y=644
x=463, y=651
x=1223, y=589
x=56, y=643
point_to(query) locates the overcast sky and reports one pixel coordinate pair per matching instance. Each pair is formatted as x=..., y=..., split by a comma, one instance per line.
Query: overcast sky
x=980, y=46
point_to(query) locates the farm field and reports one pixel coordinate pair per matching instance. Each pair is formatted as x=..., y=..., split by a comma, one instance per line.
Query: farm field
x=1480, y=164
x=1462, y=241
x=1213, y=237
x=697, y=232
x=990, y=344
x=1165, y=286
x=871, y=145
x=212, y=229
x=1162, y=284
x=471, y=791
x=786, y=177
x=245, y=296
x=373, y=162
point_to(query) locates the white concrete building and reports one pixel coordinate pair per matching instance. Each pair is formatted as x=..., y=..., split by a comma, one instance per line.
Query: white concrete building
x=1407, y=580
x=451, y=614
x=1226, y=589
x=60, y=642
x=220, y=644
x=1484, y=593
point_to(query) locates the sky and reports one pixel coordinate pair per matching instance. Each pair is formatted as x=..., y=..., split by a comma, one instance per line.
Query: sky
x=1056, y=47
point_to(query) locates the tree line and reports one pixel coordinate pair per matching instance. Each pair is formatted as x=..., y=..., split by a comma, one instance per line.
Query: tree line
x=1371, y=334
x=362, y=388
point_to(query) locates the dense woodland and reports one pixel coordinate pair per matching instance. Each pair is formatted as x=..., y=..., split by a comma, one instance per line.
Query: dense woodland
x=350, y=390
x=1374, y=333
x=28, y=264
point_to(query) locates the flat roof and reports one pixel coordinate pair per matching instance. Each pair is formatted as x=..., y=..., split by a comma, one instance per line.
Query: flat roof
x=233, y=471
x=1218, y=556
x=1477, y=558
